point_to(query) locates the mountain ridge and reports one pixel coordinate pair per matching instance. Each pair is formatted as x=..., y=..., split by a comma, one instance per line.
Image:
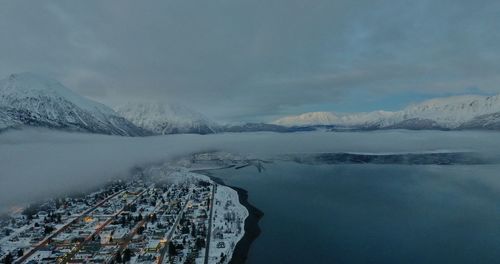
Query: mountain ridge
x=167, y=118
x=28, y=99
x=455, y=112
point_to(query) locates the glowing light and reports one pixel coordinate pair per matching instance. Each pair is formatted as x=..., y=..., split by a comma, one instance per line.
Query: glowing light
x=88, y=219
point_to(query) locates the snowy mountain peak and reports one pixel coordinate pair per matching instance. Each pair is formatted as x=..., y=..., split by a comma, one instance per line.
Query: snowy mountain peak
x=448, y=112
x=311, y=118
x=330, y=118
x=32, y=81
x=30, y=85
x=451, y=112
x=33, y=100
x=167, y=118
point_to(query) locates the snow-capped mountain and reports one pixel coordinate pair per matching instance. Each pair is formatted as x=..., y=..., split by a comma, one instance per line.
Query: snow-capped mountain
x=329, y=118
x=167, y=118
x=309, y=119
x=456, y=112
x=488, y=121
x=5, y=120
x=451, y=112
x=261, y=127
x=27, y=99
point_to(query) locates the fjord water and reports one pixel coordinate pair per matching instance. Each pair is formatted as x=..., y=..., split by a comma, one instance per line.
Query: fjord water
x=373, y=213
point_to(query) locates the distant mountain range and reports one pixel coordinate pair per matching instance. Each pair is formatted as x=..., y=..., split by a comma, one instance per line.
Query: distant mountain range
x=28, y=99
x=31, y=100
x=449, y=113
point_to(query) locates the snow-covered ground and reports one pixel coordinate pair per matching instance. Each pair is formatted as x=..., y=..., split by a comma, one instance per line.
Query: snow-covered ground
x=228, y=224
x=168, y=207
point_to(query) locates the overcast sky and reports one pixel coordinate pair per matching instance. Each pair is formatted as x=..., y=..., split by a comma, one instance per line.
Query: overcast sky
x=258, y=59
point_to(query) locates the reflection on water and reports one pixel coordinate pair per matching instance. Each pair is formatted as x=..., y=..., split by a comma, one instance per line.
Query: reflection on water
x=373, y=213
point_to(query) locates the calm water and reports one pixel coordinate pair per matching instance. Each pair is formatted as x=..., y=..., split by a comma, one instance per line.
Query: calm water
x=373, y=213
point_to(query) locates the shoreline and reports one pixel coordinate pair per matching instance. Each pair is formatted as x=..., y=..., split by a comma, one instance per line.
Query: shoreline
x=252, y=229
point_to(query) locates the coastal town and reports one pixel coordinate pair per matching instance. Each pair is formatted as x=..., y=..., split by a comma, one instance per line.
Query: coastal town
x=159, y=216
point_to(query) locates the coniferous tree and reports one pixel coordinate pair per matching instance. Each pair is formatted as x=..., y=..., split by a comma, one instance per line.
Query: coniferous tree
x=118, y=258
x=127, y=255
x=9, y=259
x=172, y=251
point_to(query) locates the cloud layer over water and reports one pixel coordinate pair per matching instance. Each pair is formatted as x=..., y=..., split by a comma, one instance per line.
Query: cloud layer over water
x=39, y=163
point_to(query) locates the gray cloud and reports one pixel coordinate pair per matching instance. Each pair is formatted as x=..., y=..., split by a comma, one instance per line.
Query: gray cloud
x=253, y=59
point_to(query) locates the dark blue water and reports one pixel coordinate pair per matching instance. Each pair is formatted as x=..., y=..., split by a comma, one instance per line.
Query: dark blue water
x=373, y=213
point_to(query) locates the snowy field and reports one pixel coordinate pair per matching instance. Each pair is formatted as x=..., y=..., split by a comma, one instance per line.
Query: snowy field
x=228, y=224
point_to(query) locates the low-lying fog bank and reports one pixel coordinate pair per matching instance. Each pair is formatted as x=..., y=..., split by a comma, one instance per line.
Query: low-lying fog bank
x=39, y=163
